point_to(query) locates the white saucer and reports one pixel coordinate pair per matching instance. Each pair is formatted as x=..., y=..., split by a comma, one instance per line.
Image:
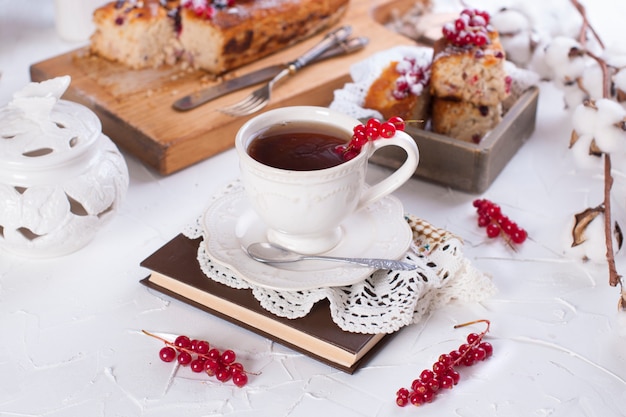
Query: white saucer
x=377, y=231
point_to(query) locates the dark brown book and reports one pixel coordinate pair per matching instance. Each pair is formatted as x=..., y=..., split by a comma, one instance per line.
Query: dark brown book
x=176, y=273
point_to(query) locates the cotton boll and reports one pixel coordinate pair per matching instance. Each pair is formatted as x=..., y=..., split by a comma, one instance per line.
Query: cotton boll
x=539, y=65
x=585, y=120
x=509, y=20
x=610, y=136
x=515, y=34
x=583, y=159
x=609, y=112
x=519, y=48
x=594, y=246
x=573, y=95
x=610, y=139
x=593, y=82
x=565, y=65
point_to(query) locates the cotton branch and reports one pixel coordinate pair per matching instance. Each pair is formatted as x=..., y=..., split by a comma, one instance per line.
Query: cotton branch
x=614, y=277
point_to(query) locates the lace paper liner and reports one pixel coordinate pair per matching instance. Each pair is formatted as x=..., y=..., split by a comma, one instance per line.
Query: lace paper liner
x=385, y=301
x=349, y=99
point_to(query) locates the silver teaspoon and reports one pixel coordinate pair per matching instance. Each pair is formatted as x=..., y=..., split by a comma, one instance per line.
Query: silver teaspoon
x=269, y=253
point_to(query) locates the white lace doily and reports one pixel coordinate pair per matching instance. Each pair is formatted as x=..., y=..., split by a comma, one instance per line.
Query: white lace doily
x=384, y=302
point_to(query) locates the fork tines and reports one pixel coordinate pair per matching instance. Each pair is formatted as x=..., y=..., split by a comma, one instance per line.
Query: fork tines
x=250, y=104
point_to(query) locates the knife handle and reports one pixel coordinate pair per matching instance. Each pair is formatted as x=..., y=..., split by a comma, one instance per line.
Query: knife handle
x=331, y=40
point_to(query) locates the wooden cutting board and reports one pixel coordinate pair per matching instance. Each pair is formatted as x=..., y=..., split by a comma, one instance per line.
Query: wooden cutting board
x=135, y=106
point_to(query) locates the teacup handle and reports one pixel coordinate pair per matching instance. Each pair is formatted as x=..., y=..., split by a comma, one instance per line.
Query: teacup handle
x=399, y=176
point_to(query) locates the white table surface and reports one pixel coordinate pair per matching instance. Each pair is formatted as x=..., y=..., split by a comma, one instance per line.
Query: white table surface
x=70, y=327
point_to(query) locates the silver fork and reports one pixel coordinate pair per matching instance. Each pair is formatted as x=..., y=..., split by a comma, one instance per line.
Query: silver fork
x=259, y=98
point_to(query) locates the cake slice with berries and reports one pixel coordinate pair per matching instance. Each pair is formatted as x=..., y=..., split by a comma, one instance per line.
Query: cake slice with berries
x=464, y=120
x=468, y=78
x=213, y=35
x=229, y=37
x=139, y=34
x=402, y=90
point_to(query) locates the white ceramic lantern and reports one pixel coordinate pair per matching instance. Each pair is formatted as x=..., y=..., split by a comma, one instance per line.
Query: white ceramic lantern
x=61, y=179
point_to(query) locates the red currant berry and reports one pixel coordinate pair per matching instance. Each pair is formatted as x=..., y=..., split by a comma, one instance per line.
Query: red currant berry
x=468, y=39
x=224, y=374
x=182, y=342
x=473, y=338
x=167, y=354
x=509, y=227
x=484, y=15
x=468, y=359
x=505, y=223
x=214, y=354
x=455, y=355
x=351, y=154
x=519, y=236
x=439, y=368
x=372, y=132
x=446, y=360
x=447, y=381
x=494, y=211
x=359, y=130
x=428, y=396
x=483, y=220
x=487, y=347
x=358, y=142
x=402, y=401
x=211, y=366
x=373, y=123
x=184, y=358
x=416, y=399
x=398, y=122
x=236, y=366
x=228, y=357
x=402, y=392
x=456, y=377
x=240, y=378
x=194, y=343
x=387, y=130
x=419, y=386
x=427, y=375
x=464, y=348
x=198, y=365
x=479, y=354
x=493, y=230
x=202, y=347
x=480, y=39
x=359, y=134
x=433, y=385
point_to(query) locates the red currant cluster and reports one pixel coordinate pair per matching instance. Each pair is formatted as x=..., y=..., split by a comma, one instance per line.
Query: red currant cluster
x=497, y=224
x=372, y=130
x=201, y=357
x=470, y=28
x=443, y=375
x=414, y=77
x=207, y=8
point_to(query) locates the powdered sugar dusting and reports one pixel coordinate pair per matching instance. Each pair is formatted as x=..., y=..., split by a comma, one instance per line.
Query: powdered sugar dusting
x=350, y=99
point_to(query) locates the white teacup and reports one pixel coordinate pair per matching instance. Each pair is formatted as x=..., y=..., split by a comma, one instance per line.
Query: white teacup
x=303, y=210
